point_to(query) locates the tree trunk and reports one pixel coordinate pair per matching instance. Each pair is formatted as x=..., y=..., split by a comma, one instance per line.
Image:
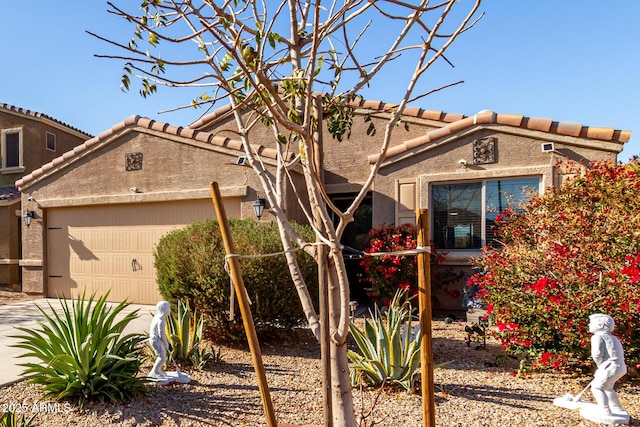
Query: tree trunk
x=342, y=399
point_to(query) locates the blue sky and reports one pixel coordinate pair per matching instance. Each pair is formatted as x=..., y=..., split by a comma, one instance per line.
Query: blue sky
x=569, y=60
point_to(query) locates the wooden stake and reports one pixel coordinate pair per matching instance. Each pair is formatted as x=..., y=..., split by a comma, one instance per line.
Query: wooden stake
x=325, y=350
x=243, y=302
x=424, y=304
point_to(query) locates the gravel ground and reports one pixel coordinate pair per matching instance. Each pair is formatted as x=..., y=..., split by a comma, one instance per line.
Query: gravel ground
x=8, y=296
x=477, y=387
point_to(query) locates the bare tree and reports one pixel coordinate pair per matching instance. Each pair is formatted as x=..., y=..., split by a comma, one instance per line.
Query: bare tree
x=290, y=65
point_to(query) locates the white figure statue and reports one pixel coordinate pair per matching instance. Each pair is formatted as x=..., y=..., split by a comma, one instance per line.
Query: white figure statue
x=160, y=344
x=158, y=339
x=607, y=352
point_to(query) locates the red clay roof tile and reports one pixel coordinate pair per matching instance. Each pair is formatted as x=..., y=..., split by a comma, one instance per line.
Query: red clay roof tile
x=431, y=115
x=452, y=117
x=412, y=111
x=567, y=128
x=461, y=124
x=600, y=133
x=484, y=117
x=622, y=135
x=509, y=119
x=439, y=133
x=537, y=123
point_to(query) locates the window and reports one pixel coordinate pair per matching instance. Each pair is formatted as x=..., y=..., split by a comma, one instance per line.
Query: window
x=51, y=141
x=464, y=213
x=11, y=149
x=356, y=232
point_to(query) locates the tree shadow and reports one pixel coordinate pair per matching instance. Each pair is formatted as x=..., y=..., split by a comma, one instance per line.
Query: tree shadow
x=513, y=398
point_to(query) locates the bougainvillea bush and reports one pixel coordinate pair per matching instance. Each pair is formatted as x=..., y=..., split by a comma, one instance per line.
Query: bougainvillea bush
x=389, y=273
x=569, y=253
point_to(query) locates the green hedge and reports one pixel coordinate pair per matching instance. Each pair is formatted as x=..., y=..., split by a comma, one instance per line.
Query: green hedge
x=190, y=267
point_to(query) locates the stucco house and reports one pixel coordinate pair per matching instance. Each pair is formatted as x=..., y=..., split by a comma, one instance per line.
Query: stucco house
x=101, y=208
x=463, y=169
x=28, y=140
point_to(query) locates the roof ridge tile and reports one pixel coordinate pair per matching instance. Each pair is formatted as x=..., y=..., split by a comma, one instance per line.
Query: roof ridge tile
x=145, y=123
x=38, y=115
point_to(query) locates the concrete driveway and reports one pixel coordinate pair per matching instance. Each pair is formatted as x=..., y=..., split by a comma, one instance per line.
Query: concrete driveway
x=26, y=314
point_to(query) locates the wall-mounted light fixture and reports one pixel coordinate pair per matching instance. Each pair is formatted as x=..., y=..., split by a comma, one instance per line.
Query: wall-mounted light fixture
x=27, y=217
x=258, y=206
x=462, y=163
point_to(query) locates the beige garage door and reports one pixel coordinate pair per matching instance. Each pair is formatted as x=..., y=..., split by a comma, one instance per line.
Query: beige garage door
x=101, y=248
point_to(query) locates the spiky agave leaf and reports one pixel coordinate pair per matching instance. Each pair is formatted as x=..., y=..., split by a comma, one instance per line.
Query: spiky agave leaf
x=83, y=353
x=388, y=353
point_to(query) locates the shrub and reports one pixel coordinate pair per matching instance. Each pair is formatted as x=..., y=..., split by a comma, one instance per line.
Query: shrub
x=569, y=253
x=190, y=267
x=83, y=353
x=390, y=352
x=386, y=274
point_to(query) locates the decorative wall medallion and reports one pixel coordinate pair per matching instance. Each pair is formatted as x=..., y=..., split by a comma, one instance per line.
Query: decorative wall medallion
x=133, y=161
x=484, y=150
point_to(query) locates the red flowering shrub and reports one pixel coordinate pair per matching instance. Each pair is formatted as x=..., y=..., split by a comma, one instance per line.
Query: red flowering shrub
x=569, y=253
x=388, y=273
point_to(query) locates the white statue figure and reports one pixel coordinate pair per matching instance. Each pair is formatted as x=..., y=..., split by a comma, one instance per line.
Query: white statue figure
x=160, y=344
x=607, y=352
x=158, y=339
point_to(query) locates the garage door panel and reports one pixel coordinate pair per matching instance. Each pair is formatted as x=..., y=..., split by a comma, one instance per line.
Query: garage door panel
x=121, y=265
x=93, y=247
x=122, y=241
x=79, y=266
x=120, y=290
x=103, y=266
x=100, y=287
x=98, y=241
x=148, y=291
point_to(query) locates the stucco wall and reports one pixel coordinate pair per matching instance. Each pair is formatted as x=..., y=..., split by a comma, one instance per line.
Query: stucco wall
x=9, y=244
x=169, y=168
x=35, y=152
x=346, y=165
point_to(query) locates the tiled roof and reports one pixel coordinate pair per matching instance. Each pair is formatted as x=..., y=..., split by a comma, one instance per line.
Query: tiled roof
x=452, y=123
x=457, y=123
x=217, y=113
x=9, y=193
x=35, y=114
x=133, y=122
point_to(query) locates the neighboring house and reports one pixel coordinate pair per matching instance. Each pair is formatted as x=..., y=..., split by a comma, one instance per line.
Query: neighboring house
x=458, y=167
x=27, y=141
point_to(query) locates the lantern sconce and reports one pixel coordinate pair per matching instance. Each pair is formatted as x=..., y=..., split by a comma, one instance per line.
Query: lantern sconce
x=28, y=216
x=258, y=206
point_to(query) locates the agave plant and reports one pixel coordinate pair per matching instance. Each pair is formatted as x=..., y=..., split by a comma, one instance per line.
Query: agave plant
x=390, y=353
x=83, y=353
x=11, y=419
x=184, y=327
